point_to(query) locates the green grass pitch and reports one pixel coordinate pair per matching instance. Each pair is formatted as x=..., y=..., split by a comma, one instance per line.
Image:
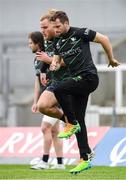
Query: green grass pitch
x=95, y=173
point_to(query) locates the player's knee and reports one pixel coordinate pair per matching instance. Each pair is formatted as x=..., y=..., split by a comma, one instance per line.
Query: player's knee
x=41, y=108
x=45, y=129
x=55, y=131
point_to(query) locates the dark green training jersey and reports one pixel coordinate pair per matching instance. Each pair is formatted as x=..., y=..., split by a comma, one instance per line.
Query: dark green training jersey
x=58, y=75
x=74, y=48
x=39, y=65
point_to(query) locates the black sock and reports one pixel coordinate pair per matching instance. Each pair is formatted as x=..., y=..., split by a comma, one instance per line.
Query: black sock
x=45, y=157
x=63, y=118
x=85, y=157
x=59, y=160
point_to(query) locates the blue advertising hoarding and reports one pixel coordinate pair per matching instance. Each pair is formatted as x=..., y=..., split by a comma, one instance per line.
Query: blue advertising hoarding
x=111, y=151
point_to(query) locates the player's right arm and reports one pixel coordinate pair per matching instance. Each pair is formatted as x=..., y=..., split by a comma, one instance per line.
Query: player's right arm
x=36, y=94
x=56, y=63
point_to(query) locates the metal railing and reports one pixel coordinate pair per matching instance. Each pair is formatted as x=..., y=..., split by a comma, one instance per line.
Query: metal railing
x=117, y=108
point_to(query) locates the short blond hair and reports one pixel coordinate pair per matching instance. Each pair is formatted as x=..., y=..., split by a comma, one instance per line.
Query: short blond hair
x=49, y=14
x=52, y=11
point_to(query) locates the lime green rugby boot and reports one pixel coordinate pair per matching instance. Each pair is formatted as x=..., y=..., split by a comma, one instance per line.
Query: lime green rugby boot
x=82, y=166
x=69, y=130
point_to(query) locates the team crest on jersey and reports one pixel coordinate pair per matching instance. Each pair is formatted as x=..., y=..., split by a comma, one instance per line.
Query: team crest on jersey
x=73, y=39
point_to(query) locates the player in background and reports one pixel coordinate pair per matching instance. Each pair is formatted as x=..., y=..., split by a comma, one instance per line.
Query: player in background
x=49, y=126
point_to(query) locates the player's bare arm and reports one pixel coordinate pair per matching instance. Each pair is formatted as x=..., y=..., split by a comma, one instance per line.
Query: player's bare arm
x=36, y=95
x=104, y=41
x=42, y=56
x=56, y=63
x=43, y=79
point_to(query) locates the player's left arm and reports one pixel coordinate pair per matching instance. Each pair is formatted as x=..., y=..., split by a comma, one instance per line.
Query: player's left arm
x=43, y=56
x=105, y=42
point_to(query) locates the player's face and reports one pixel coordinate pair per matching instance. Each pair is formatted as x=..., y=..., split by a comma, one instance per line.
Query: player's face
x=34, y=47
x=59, y=27
x=47, y=29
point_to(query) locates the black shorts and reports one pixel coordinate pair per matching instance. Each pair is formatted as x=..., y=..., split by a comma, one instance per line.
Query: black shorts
x=52, y=86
